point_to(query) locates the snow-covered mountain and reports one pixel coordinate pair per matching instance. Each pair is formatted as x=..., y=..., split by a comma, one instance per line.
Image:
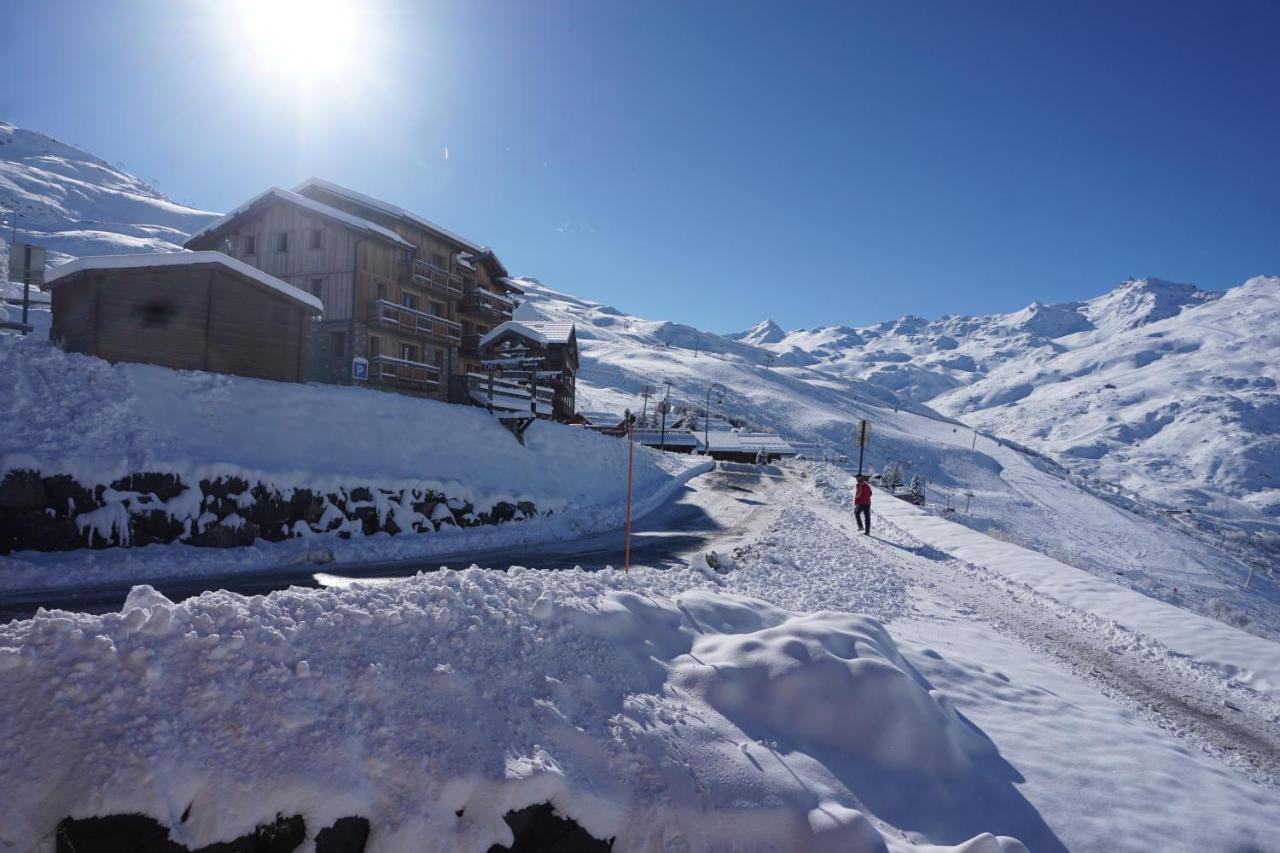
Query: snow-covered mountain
x=1162, y=387
x=997, y=486
x=764, y=332
x=74, y=203
x=911, y=377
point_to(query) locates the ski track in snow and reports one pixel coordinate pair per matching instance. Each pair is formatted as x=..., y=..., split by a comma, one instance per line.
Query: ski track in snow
x=1189, y=699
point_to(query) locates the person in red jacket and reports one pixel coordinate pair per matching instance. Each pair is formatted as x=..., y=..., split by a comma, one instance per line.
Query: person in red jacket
x=862, y=505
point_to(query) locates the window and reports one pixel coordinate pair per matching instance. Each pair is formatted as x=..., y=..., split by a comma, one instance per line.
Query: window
x=338, y=344
x=409, y=300
x=437, y=358
x=282, y=241
x=315, y=286
x=438, y=310
x=438, y=261
x=382, y=291
x=250, y=244
x=409, y=352
x=375, y=346
x=314, y=242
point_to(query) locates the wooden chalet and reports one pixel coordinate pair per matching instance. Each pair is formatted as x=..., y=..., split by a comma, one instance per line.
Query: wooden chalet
x=186, y=310
x=555, y=348
x=407, y=295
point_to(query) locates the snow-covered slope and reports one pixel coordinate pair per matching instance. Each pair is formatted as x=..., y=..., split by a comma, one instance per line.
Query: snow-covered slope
x=1161, y=387
x=76, y=204
x=994, y=485
x=1182, y=406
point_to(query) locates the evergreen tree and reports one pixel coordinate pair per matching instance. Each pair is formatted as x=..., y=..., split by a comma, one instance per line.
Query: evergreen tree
x=891, y=475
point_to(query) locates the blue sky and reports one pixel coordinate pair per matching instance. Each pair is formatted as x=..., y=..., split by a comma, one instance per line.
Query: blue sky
x=718, y=162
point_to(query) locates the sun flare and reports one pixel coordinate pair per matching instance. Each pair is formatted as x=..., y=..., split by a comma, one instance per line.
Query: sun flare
x=301, y=39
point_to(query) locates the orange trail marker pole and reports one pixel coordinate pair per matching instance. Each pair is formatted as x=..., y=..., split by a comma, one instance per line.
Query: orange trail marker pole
x=631, y=453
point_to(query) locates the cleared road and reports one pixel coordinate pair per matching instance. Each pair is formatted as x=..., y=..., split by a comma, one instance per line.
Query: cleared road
x=716, y=511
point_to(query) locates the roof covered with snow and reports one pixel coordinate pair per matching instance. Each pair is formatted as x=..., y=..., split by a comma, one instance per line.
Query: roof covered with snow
x=178, y=259
x=743, y=441
x=554, y=332
x=318, y=208
x=601, y=418
x=542, y=331
x=389, y=209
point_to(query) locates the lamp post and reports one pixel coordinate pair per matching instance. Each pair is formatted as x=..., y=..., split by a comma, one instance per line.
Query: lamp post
x=664, y=407
x=706, y=414
x=646, y=391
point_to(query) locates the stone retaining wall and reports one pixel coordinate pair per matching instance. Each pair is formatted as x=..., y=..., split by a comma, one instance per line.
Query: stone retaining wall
x=56, y=513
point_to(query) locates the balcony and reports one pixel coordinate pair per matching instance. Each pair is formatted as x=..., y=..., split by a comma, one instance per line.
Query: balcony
x=402, y=373
x=506, y=395
x=436, y=280
x=491, y=306
x=411, y=321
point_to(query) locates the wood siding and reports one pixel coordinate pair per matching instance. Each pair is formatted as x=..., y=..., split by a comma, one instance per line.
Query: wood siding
x=334, y=261
x=200, y=317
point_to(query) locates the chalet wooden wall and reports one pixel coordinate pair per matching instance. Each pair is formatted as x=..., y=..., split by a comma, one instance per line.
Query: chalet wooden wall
x=188, y=318
x=156, y=316
x=334, y=261
x=252, y=333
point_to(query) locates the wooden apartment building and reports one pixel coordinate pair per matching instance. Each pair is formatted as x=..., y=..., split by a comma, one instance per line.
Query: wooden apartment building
x=407, y=295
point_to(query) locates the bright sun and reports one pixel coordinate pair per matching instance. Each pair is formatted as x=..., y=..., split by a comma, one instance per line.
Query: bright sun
x=302, y=39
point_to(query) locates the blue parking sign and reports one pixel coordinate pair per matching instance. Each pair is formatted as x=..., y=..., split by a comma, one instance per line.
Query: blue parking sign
x=360, y=369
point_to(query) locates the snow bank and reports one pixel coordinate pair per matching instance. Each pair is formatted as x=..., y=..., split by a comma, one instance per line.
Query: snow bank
x=702, y=722
x=1247, y=660
x=98, y=423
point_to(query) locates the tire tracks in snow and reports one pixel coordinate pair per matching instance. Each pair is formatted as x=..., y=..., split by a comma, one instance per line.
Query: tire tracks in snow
x=1226, y=721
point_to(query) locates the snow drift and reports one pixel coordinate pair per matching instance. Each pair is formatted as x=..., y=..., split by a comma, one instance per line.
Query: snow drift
x=434, y=706
x=102, y=425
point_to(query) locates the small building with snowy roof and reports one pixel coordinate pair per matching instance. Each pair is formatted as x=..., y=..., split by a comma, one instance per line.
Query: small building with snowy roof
x=725, y=442
x=185, y=310
x=555, y=347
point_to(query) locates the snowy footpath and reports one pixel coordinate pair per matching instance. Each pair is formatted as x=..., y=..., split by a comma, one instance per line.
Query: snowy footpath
x=804, y=689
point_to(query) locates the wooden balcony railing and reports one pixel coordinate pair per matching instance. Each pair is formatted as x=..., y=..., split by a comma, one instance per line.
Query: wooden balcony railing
x=400, y=372
x=414, y=322
x=504, y=395
x=435, y=279
x=487, y=304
